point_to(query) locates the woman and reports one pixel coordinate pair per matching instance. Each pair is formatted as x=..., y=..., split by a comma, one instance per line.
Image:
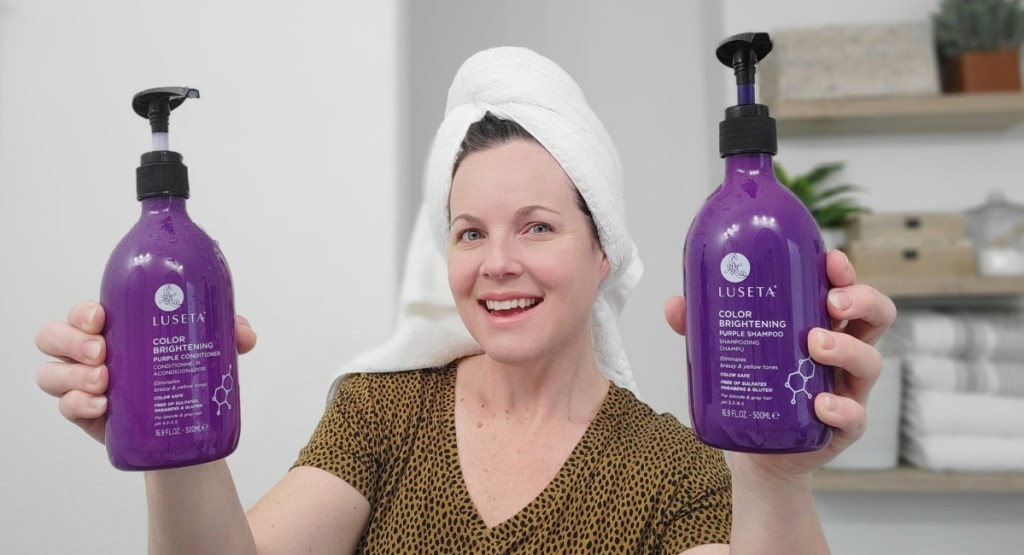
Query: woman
x=529, y=438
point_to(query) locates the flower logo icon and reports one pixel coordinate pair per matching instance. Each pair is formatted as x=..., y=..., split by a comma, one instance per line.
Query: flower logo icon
x=169, y=297
x=735, y=267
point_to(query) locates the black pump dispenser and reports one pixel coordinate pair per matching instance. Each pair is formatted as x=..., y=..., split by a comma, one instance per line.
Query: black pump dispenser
x=747, y=127
x=162, y=173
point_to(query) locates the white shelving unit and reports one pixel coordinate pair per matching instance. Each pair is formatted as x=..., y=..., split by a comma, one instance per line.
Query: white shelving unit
x=936, y=113
x=945, y=112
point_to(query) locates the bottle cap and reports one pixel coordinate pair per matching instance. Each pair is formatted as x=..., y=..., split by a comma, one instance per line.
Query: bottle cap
x=747, y=127
x=161, y=172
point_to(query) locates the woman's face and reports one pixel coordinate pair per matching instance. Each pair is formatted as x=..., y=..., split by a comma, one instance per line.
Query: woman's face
x=523, y=265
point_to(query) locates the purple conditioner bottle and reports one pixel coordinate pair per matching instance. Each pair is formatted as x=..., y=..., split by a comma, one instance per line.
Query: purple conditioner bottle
x=170, y=321
x=755, y=285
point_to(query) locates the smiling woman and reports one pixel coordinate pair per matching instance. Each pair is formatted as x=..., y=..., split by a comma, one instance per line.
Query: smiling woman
x=529, y=244
x=542, y=426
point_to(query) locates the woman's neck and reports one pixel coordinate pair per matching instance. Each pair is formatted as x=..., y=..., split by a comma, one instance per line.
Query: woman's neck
x=566, y=388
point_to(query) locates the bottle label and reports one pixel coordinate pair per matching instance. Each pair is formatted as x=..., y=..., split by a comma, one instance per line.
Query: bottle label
x=182, y=394
x=173, y=372
x=762, y=370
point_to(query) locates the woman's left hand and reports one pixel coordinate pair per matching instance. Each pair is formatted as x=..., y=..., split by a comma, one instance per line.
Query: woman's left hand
x=862, y=314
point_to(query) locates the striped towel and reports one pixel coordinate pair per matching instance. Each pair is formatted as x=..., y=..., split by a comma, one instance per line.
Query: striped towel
x=964, y=453
x=978, y=414
x=972, y=335
x=935, y=373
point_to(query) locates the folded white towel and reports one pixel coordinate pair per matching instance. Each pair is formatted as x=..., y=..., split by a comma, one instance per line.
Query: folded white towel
x=521, y=85
x=879, y=446
x=992, y=334
x=964, y=453
x=937, y=373
x=971, y=414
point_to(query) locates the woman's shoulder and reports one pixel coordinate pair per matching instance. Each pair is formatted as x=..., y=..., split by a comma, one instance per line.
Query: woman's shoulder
x=395, y=383
x=643, y=432
x=389, y=404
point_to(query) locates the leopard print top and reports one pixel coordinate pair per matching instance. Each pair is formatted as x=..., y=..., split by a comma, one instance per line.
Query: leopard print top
x=637, y=482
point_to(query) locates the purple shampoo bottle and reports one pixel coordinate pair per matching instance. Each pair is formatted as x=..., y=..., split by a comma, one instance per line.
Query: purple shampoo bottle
x=170, y=321
x=755, y=284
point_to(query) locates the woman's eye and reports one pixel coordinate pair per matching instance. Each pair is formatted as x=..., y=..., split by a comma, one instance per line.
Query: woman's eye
x=540, y=228
x=470, y=235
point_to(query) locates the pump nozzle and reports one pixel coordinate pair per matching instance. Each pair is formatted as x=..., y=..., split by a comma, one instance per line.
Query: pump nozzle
x=747, y=127
x=162, y=172
x=156, y=105
x=742, y=52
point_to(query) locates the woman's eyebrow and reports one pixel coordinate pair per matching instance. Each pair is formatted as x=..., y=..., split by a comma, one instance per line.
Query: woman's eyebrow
x=527, y=210
x=519, y=214
x=471, y=220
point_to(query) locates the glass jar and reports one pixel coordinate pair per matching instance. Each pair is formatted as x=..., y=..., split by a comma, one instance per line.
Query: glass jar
x=997, y=230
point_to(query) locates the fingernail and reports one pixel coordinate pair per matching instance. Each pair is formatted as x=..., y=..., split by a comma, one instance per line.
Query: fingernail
x=99, y=402
x=91, y=349
x=89, y=315
x=830, y=402
x=94, y=375
x=839, y=299
x=825, y=339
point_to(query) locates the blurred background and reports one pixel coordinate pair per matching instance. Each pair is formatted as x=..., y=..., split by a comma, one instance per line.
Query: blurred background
x=305, y=154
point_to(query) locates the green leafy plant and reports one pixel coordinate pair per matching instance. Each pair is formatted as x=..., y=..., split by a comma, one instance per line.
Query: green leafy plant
x=831, y=205
x=972, y=25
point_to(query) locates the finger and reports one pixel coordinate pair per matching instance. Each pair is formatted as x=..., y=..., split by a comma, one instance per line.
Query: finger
x=87, y=411
x=87, y=316
x=58, y=378
x=839, y=270
x=245, y=336
x=857, y=363
x=675, y=314
x=846, y=416
x=62, y=340
x=868, y=312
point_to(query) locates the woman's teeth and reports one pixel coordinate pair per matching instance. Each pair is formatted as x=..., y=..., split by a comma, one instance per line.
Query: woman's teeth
x=509, y=304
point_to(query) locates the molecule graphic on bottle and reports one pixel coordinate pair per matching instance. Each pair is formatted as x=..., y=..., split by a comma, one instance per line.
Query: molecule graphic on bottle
x=804, y=372
x=220, y=395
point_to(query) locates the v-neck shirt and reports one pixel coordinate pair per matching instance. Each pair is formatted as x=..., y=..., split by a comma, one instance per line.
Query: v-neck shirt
x=637, y=481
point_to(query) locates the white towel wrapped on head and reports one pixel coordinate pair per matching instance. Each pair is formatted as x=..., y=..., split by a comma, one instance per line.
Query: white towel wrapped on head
x=520, y=85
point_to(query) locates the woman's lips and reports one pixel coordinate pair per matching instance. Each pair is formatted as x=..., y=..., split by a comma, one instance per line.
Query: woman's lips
x=510, y=307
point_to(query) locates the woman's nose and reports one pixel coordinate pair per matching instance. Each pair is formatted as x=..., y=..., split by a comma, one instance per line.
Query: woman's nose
x=501, y=260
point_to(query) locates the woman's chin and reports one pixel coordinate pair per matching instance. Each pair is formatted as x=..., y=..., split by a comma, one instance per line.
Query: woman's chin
x=511, y=355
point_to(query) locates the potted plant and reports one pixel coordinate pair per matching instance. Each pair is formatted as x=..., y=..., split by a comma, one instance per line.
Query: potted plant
x=978, y=43
x=831, y=205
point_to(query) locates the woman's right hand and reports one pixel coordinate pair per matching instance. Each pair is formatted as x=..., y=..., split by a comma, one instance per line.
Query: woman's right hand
x=79, y=378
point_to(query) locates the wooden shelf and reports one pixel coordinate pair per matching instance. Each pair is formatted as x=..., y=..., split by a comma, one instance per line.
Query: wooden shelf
x=926, y=286
x=913, y=480
x=947, y=112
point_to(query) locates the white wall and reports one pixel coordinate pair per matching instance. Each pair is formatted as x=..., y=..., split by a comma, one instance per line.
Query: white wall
x=641, y=66
x=945, y=172
x=294, y=157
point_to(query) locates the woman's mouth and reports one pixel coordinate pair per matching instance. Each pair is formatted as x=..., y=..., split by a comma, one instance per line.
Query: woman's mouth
x=511, y=306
